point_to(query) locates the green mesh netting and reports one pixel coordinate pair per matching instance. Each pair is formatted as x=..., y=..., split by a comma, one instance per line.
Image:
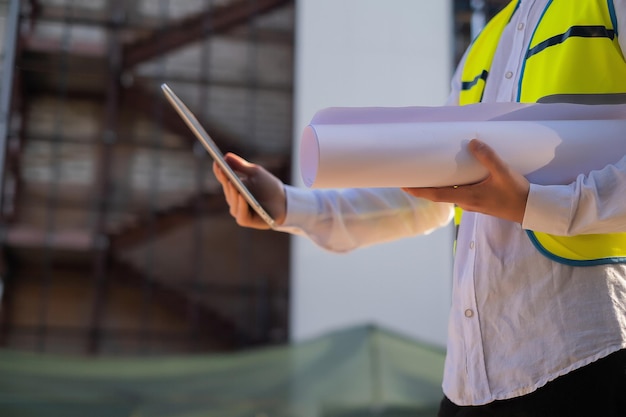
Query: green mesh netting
x=362, y=371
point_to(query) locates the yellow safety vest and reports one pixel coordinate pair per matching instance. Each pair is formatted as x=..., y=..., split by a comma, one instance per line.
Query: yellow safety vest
x=574, y=56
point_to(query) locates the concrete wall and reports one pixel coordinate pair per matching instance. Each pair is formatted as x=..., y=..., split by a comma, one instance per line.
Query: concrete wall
x=372, y=53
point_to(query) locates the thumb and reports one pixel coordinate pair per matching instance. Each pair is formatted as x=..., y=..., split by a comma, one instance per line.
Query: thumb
x=239, y=164
x=487, y=157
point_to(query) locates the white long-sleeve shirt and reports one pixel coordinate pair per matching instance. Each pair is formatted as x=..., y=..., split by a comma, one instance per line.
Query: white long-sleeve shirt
x=518, y=319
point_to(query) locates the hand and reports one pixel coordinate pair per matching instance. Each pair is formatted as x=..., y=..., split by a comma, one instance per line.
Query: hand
x=267, y=189
x=502, y=194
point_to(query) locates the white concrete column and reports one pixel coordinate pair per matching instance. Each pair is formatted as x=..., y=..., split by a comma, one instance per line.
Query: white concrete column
x=372, y=53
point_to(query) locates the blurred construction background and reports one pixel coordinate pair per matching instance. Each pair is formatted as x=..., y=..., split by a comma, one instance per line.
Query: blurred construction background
x=116, y=239
x=114, y=236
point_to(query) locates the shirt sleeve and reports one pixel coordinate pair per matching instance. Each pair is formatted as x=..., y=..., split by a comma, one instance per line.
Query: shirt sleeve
x=591, y=204
x=343, y=220
x=594, y=203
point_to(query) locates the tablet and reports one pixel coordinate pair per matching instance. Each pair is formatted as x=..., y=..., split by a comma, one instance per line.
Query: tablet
x=215, y=153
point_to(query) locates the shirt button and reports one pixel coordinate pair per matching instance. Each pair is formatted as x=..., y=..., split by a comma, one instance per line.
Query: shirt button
x=471, y=244
x=508, y=75
x=469, y=313
x=520, y=26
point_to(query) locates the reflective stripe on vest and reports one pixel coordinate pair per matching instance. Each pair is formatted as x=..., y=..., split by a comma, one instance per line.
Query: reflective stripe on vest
x=574, y=50
x=480, y=56
x=574, y=53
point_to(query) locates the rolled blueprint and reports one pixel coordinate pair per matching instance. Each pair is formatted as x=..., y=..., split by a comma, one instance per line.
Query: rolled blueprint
x=427, y=146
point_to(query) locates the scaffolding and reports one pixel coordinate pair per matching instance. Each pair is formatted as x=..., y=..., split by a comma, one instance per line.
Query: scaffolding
x=115, y=235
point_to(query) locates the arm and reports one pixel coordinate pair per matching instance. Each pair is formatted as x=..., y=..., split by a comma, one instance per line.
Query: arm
x=338, y=220
x=590, y=205
x=594, y=203
x=346, y=219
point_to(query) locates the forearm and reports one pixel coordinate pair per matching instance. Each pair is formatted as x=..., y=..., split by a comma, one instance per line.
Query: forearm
x=343, y=220
x=594, y=203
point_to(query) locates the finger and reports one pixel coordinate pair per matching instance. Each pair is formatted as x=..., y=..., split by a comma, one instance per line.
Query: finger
x=232, y=195
x=441, y=195
x=238, y=164
x=219, y=174
x=245, y=216
x=216, y=171
x=243, y=213
x=418, y=192
x=230, y=192
x=487, y=157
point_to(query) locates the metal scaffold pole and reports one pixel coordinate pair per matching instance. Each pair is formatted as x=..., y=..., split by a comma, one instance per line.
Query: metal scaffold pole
x=479, y=16
x=6, y=88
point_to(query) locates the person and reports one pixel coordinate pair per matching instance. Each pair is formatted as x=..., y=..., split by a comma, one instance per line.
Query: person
x=533, y=331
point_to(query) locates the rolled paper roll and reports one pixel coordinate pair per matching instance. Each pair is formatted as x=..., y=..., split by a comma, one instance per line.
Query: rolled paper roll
x=427, y=147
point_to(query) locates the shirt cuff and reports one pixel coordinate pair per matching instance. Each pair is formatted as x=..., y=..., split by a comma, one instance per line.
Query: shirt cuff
x=548, y=209
x=301, y=208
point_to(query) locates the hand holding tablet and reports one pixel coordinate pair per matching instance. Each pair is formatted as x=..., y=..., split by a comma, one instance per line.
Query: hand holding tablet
x=216, y=154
